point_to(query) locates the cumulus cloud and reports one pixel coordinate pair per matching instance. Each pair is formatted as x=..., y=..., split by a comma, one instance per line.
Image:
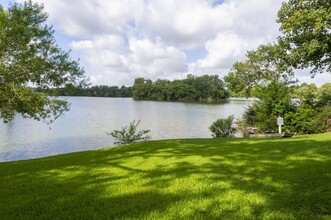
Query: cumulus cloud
x=155, y=60
x=222, y=51
x=186, y=24
x=253, y=24
x=119, y=40
x=86, y=18
x=116, y=61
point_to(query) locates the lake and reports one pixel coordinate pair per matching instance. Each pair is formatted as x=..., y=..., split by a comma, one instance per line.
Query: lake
x=84, y=127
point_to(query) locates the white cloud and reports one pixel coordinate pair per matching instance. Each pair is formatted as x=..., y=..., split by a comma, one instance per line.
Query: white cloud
x=115, y=62
x=318, y=79
x=81, y=45
x=256, y=18
x=119, y=40
x=225, y=49
x=155, y=60
x=253, y=24
x=185, y=24
x=101, y=42
x=88, y=18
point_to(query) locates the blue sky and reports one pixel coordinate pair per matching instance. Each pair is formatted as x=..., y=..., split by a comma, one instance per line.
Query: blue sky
x=119, y=40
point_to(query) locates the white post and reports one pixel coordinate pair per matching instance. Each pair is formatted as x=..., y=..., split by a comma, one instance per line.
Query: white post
x=280, y=122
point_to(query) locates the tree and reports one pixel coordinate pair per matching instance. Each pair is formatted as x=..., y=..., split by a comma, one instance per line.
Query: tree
x=262, y=66
x=30, y=57
x=264, y=70
x=306, y=25
x=324, y=95
x=274, y=101
x=306, y=42
x=141, y=88
x=308, y=119
x=194, y=88
x=306, y=92
x=129, y=134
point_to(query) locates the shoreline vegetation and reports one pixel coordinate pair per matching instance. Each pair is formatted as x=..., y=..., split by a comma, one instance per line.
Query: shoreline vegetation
x=175, y=179
x=206, y=88
x=305, y=108
x=163, y=86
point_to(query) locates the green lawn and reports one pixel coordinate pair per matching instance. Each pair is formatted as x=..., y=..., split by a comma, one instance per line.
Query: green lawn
x=175, y=179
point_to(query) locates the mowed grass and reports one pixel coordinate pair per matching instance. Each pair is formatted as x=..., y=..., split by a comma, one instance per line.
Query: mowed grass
x=175, y=179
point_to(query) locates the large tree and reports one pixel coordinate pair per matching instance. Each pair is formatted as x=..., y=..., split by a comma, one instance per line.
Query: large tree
x=306, y=25
x=262, y=66
x=265, y=71
x=30, y=57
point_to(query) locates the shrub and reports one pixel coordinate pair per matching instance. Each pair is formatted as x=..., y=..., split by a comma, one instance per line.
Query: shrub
x=223, y=127
x=308, y=119
x=129, y=134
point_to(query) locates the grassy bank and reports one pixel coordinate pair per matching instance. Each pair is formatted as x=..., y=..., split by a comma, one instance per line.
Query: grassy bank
x=175, y=179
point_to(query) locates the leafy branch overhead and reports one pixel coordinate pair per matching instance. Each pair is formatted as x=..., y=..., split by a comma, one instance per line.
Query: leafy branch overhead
x=306, y=26
x=30, y=57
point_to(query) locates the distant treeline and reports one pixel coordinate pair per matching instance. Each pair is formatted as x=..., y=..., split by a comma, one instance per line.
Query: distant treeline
x=193, y=88
x=93, y=91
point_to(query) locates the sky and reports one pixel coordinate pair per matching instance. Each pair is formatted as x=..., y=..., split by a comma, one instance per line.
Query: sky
x=120, y=40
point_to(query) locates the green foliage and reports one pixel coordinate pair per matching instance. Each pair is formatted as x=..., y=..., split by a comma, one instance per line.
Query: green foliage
x=306, y=43
x=29, y=104
x=223, y=127
x=264, y=75
x=305, y=92
x=175, y=179
x=264, y=119
x=324, y=95
x=129, y=134
x=261, y=115
x=261, y=67
x=193, y=88
x=308, y=116
x=306, y=26
x=312, y=95
x=249, y=118
x=274, y=100
x=308, y=119
x=91, y=91
x=29, y=55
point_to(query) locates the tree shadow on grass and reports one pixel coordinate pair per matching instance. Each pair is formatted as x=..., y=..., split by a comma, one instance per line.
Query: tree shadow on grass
x=182, y=179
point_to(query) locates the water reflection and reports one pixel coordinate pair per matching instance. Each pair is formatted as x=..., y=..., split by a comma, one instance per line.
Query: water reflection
x=85, y=126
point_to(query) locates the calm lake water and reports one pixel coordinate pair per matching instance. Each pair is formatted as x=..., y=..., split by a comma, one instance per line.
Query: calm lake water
x=84, y=127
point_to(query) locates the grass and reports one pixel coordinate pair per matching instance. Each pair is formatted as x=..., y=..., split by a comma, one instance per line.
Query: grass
x=175, y=179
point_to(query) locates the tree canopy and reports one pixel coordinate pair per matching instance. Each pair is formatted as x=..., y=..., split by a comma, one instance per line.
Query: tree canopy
x=193, y=88
x=30, y=57
x=91, y=91
x=262, y=66
x=306, y=25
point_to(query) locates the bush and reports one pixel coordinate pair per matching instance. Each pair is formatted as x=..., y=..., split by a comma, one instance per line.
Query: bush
x=129, y=134
x=257, y=115
x=223, y=127
x=308, y=119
